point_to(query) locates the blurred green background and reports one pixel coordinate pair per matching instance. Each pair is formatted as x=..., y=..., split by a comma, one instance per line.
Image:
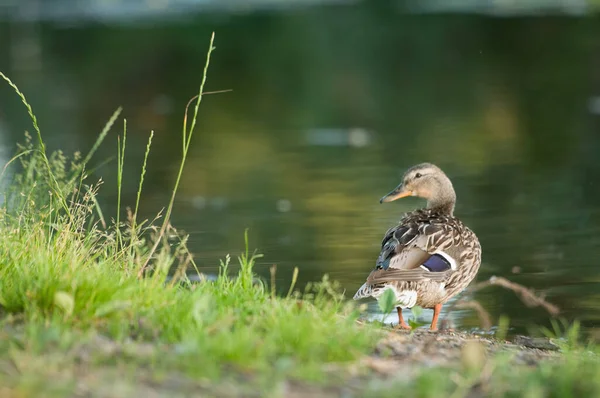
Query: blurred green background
x=331, y=102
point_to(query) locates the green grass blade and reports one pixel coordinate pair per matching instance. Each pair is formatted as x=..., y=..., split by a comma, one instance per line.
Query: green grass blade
x=97, y=143
x=186, y=137
x=120, y=165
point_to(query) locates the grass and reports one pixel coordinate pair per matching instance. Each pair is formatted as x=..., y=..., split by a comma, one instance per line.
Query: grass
x=87, y=307
x=572, y=376
x=67, y=274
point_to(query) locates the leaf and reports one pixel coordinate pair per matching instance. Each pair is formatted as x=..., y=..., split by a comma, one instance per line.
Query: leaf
x=414, y=322
x=64, y=301
x=416, y=311
x=387, y=301
x=111, y=306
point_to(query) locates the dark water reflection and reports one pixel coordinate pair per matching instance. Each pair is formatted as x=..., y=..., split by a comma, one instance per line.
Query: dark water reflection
x=329, y=106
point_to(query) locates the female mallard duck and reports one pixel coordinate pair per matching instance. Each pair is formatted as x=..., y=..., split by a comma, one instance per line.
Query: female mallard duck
x=430, y=256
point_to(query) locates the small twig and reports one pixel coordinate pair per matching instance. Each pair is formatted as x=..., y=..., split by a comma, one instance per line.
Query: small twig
x=482, y=314
x=527, y=296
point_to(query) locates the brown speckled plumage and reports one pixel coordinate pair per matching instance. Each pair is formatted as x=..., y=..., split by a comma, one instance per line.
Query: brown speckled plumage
x=430, y=256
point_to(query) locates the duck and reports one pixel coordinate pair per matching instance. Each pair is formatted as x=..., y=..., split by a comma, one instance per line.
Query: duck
x=430, y=256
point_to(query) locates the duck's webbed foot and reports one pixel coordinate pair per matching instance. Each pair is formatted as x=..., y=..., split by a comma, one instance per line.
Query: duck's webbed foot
x=401, y=323
x=436, y=314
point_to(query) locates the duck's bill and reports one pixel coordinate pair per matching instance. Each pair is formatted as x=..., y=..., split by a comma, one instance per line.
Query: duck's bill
x=397, y=193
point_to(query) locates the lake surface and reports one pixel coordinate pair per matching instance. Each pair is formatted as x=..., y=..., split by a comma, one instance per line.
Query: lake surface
x=329, y=106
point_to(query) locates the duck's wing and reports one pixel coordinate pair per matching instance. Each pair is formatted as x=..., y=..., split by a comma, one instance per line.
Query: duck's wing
x=415, y=250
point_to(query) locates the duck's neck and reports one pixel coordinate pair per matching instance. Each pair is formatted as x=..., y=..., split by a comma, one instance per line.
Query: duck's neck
x=444, y=199
x=444, y=207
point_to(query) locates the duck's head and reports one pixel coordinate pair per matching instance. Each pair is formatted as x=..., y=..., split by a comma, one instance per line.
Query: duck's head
x=425, y=181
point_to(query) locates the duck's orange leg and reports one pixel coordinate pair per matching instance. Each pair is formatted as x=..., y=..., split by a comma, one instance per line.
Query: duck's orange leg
x=401, y=323
x=436, y=314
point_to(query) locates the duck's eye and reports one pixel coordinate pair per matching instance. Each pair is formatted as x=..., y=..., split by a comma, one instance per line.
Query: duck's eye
x=418, y=175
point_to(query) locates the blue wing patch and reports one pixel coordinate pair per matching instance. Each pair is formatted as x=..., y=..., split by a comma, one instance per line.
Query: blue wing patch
x=437, y=263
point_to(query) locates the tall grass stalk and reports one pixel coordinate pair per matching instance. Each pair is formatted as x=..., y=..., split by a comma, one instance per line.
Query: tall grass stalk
x=42, y=147
x=142, y=174
x=186, y=140
x=139, y=193
x=105, y=130
x=120, y=165
x=293, y=283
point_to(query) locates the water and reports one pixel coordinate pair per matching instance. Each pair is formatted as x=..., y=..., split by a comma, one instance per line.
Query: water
x=329, y=106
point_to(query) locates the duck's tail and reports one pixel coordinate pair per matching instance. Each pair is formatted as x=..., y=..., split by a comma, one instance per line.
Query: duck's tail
x=403, y=298
x=366, y=290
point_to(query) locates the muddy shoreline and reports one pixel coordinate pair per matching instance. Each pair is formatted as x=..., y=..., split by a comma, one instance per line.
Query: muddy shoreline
x=448, y=348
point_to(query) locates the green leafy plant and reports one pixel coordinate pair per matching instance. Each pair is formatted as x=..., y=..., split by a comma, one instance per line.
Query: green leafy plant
x=414, y=322
x=565, y=333
x=387, y=303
